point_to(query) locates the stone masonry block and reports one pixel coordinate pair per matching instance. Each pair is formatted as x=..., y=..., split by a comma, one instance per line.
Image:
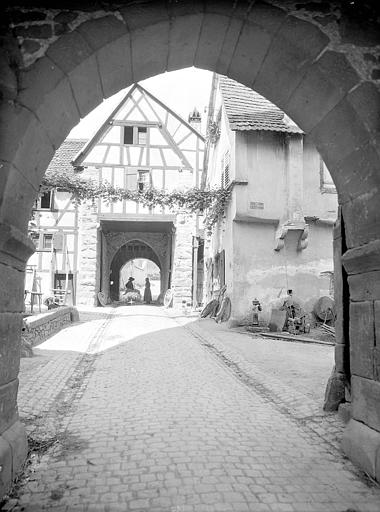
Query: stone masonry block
x=101, y=31
x=69, y=51
x=364, y=286
x=86, y=84
x=183, y=40
x=362, y=339
x=362, y=259
x=149, y=50
x=141, y=16
x=337, y=134
x=19, y=195
x=11, y=279
x=229, y=42
x=37, y=81
x=114, y=63
x=211, y=38
x=6, y=466
x=362, y=219
x=16, y=438
x=339, y=357
x=365, y=99
x=376, y=363
x=326, y=83
x=250, y=51
x=357, y=174
x=10, y=335
x=15, y=247
x=8, y=79
x=365, y=401
x=295, y=46
x=59, y=112
x=362, y=445
x=8, y=404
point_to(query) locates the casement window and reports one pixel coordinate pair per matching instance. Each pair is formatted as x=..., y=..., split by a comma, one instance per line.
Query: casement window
x=135, y=135
x=45, y=201
x=47, y=241
x=326, y=182
x=142, y=132
x=225, y=169
x=143, y=180
x=36, y=240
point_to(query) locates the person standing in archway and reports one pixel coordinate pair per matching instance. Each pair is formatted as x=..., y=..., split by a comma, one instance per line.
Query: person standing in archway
x=147, y=292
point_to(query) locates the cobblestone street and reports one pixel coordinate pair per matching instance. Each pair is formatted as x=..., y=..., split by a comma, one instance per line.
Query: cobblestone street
x=152, y=413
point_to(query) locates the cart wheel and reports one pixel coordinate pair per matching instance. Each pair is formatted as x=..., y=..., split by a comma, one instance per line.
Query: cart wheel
x=168, y=298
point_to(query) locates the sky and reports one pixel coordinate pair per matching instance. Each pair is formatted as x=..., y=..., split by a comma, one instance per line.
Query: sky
x=180, y=90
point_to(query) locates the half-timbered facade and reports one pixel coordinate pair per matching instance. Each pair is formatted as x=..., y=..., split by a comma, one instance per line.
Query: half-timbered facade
x=142, y=144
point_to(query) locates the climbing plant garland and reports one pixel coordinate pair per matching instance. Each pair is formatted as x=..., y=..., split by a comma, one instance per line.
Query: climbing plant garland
x=211, y=203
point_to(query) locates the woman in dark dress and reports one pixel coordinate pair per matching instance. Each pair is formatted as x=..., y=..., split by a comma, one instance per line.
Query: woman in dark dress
x=147, y=292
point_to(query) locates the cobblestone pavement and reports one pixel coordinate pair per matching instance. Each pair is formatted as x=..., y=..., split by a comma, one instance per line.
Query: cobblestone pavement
x=292, y=375
x=151, y=419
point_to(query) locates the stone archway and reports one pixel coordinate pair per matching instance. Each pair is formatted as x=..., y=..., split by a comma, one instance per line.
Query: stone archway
x=312, y=63
x=134, y=249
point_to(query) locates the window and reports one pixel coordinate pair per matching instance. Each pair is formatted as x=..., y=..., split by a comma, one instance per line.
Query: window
x=143, y=181
x=326, y=181
x=225, y=169
x=35, y=239
x=141, y=135
x=45, y=201
x=128, y=135
x=47, y=241
x=135, y=135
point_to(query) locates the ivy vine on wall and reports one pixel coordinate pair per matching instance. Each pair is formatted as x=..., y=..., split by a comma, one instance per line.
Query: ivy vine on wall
x=210, y=203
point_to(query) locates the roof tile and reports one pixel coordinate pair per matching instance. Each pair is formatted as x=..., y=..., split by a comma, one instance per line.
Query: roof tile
x=61, y=161
x=248, y=110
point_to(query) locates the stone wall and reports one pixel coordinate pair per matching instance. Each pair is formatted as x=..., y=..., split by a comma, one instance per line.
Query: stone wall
x=39, y=328
x=183, y=264
x=88, y=262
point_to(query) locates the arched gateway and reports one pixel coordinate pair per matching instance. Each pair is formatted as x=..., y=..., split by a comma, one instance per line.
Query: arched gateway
x=315, y=65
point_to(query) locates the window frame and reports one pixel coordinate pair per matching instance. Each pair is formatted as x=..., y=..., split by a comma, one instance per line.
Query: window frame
x=143, y=172
x=135, y=134
x=42, y=242
x=38, y=206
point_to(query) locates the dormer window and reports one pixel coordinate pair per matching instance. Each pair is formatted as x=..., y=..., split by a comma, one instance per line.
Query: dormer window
x=135, y=135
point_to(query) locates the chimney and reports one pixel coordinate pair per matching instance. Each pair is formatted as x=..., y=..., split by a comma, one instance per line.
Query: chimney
x=195, y=119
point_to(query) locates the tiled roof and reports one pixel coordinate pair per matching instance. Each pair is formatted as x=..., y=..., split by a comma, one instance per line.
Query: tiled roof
x=248, y=110
x=61, y=161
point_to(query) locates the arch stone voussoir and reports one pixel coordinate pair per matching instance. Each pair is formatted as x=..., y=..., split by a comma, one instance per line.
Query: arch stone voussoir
x=183, y=40
x=114, y=64
x=362, y=219
x=358, y=173
x=102, y=31
x=141, y=16
x=211, y=39
x=295, y=46
x=365, y=99
x=149, y=50
x=258, y=32
x=75, y=57
x=338, y=134
x=325, y=84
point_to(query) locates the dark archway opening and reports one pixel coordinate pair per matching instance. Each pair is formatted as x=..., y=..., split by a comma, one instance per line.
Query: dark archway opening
x=128, y=253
